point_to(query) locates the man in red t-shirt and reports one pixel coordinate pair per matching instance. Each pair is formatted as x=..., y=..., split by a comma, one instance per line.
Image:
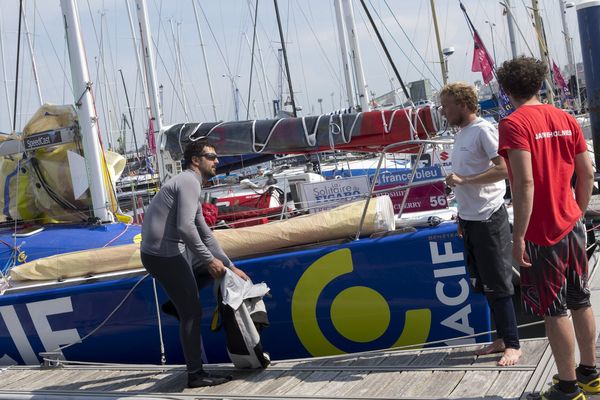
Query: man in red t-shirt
x=543, y=147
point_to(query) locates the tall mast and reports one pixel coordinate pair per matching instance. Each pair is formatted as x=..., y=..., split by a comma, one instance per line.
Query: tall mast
x=543, y=49
x=285, y=60
x=88, y=120
x=568, y=39
x=363, y=95
x=4, y=73
x=439, y=43
x=33, y=64
x=202, y=45
x=511, y=28
x=142, y=14
x=139, y=64
x=344, y=49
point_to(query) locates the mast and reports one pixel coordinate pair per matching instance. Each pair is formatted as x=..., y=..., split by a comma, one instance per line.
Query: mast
x=202, y=45
x=4, y=73
x=285, y=59
x=146, y=37
x=139, y=64
x=363, y=95
x=33, y=64
x=343, y=48
x=88, y=119
x=569, y=46
x=439, y=43
x=511, y=27
x=543, y=49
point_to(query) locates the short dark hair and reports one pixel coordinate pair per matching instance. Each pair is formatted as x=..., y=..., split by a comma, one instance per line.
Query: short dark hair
x=194, y=148
x=522, y=77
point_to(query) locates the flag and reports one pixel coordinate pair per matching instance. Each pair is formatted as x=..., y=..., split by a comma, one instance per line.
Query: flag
x=151, y=139
x=558, y=78
x=560, y=82
x=481, y=60
x=505, y=107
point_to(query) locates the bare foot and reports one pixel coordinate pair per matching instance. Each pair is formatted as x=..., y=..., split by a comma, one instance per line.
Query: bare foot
x=497, y=346
x=510, y=357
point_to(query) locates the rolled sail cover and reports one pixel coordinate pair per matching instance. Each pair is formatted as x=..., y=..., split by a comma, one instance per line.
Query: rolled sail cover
x=368, y=131
x=338, y=223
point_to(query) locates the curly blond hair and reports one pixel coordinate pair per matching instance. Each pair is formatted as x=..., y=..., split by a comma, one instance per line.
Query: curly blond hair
x=462, y=93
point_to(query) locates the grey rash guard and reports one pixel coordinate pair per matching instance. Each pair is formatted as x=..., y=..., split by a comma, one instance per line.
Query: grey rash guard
x=173, y=222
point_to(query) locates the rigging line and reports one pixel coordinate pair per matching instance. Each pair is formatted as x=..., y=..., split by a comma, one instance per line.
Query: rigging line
x=387, y=53
x=61, y=63
x=308, y=102
x=14, y=127
x=212, y=33
x=285, y=59
x=377, y=49
x=252, y=60
x=4, y=73
x=410, y=41
x=168, y=75
x=406, y=35
x=329, y=63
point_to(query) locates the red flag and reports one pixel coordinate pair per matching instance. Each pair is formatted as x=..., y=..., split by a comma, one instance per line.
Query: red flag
x=558, y=78
x=481, y=60
x=151, y=139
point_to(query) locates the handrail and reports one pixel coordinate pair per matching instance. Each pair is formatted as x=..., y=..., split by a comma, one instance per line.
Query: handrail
x=419, y=142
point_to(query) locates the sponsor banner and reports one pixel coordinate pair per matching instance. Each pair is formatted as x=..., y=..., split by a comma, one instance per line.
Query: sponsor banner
x=402, y=176
x=321, y=196
x=421, y=198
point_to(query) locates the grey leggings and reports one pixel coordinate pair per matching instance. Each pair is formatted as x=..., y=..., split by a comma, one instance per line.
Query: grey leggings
x=181, y=282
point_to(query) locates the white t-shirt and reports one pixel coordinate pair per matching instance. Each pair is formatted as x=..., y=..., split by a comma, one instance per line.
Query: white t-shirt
x=474, y=147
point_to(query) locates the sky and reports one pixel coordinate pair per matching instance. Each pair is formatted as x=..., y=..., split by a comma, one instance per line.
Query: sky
x=227, y=28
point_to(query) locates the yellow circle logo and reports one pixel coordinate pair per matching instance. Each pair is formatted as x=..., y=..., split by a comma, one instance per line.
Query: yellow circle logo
x=358, y=313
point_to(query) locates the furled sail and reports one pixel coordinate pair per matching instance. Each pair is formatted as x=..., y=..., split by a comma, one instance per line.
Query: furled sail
x=369, y=131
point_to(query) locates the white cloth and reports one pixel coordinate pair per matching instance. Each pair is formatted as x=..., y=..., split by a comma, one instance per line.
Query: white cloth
x=474, y=147
x=235, y=290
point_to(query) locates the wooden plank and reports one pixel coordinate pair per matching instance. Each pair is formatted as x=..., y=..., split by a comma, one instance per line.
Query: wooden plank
x=72, y=379
x=159, y=382
x=100, y=381
x=532, y=351
x=398, y=359
x=342, y=383
x=459, y=356
x=399, y=381
x=474, y=384
x=429, y=358
x=127, y=379
x=280, y=386
x=35, y=379
x=248, y=384
x=368, y=386
x=229, y=387
x=426, y=384
x=509, y=384
x=313, y=383
x=9, y=376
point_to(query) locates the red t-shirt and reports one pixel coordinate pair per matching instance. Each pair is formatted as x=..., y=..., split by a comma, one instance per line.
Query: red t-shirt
x=553, y=138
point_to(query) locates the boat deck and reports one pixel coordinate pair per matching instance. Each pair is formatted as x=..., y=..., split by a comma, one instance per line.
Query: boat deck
x=449, y=372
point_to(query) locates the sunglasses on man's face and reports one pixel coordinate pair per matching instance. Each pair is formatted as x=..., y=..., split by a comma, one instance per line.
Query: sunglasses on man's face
x=209, y=156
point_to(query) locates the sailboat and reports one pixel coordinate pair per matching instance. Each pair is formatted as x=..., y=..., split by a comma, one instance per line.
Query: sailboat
x=78, y=292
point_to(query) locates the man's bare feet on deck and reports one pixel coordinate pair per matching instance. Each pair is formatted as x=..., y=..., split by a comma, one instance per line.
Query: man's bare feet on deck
x=497, y=346
x=510, y=357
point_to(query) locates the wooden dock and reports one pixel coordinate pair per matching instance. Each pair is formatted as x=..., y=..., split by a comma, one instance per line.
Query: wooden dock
x=450, y=372
x=428, y=374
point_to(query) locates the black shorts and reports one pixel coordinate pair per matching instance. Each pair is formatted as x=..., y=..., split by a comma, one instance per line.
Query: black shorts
x=488, y=254
x=558, y=277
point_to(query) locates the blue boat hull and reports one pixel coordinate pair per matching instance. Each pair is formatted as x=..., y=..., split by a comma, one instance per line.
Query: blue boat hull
x=398, y=290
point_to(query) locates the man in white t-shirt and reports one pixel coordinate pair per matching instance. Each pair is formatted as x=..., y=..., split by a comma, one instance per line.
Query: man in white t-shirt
x=478, y=175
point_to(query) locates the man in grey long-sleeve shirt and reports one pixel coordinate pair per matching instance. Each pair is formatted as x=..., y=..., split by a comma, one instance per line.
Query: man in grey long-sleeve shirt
x=173, y=223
